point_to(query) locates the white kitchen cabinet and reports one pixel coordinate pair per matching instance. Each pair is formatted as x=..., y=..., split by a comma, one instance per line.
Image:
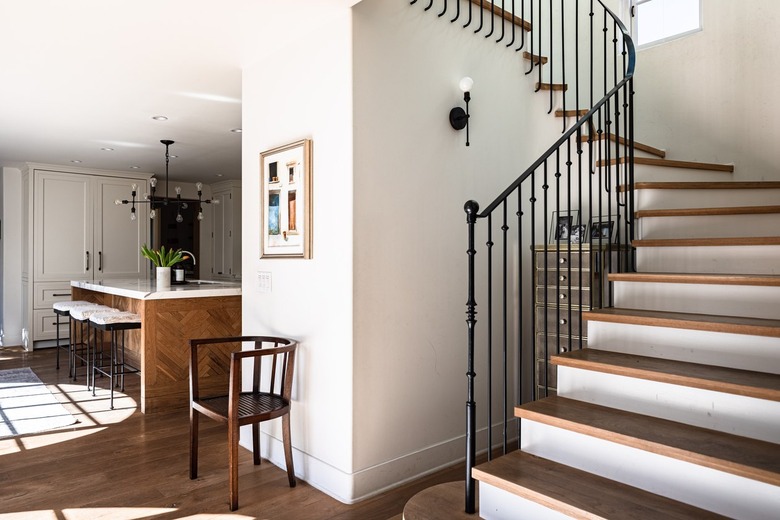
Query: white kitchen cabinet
x=227, y=230
x=79, y=233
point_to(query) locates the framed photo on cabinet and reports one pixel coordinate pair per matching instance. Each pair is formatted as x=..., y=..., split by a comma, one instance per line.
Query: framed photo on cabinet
x=286, y=205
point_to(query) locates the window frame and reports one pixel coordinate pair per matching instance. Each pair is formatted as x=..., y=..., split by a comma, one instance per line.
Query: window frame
x=630, y=8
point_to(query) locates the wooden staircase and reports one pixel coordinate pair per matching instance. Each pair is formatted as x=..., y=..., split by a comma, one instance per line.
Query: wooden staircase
x=677, y=395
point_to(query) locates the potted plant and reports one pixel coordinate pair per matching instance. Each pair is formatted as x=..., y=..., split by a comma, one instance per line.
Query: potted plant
x=163, y=259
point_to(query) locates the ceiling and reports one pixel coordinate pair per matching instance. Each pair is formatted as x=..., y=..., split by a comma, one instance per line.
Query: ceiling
x=82, y=80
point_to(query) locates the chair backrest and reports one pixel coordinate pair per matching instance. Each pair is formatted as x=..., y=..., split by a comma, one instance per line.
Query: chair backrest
x=274, y=377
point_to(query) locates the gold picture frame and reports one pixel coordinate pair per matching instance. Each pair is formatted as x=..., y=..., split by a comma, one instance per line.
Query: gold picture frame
x=286, y=201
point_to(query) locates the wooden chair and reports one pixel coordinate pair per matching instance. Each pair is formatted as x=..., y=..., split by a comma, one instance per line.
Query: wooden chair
x=268, y=399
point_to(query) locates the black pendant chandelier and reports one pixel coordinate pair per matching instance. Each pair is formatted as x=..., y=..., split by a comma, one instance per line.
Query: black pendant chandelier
x=158, y=202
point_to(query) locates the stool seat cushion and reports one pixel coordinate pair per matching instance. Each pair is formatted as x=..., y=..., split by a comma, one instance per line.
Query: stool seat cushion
x=70, y=304
x=83, y=313
x=108, y=318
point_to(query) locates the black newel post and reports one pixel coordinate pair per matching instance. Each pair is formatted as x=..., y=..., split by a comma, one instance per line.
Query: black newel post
x=471, y=208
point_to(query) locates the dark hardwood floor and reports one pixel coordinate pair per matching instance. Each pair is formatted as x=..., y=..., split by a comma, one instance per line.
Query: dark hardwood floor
x=123, y=464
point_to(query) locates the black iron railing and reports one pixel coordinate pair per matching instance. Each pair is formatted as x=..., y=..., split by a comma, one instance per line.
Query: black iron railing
x=554, y=234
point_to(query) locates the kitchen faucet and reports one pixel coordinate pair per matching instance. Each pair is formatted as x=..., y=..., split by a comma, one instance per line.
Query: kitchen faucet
x=194, y=263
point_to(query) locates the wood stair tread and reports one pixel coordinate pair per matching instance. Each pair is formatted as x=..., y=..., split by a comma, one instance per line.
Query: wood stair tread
x=717, y=379
x=571, y=113
x=637, y=145
x=534, y=58
x=502, y=13
x=742, y=456
x=696, y=212
x=715, y=185
x=682, y=320
x=707, y=242
x=699, y=278
x=671, y=163
x=577, y=493
x=552, y=86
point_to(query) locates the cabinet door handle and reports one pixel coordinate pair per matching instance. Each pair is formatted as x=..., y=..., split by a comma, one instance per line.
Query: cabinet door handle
x=562, y=321
x=562, y=261
x=562, y=278
x=562, y=296
x=100, y=260
x=87, y=260
x=61, y=294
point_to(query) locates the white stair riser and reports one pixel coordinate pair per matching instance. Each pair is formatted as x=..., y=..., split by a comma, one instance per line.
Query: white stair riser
x=497, y=504
x=677, y=199
x=709, y=259
x=647, y=173
x=729, y=413
x=726, y=300
x=739, y=351
x=706, y=488
x=713, y=226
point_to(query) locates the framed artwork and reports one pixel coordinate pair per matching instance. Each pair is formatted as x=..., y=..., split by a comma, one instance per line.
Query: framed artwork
x=561, y=225
x=577, y=234
x=286, y=192
x=603, y=229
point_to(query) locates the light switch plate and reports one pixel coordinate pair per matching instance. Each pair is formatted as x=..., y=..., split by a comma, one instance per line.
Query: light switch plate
x=264, y=281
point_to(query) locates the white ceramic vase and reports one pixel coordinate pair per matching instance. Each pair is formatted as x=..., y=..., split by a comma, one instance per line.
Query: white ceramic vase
x=163, y=278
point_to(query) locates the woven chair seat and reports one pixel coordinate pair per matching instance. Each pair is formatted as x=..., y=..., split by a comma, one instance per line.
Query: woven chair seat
x=84, y=312
x=66, y=306
x=109, y=318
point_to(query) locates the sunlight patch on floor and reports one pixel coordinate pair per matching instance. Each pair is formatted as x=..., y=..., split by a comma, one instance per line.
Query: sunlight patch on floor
x=92, y=414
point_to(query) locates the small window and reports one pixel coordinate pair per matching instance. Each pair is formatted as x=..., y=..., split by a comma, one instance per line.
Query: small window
x=658, y=21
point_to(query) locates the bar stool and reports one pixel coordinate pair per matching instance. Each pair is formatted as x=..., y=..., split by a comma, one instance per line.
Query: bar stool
x=116, y=323
x=63, y=308
x=81, y=315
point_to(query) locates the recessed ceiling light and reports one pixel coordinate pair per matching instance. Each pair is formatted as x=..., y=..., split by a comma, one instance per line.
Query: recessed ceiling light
x=75, y=161
x=159, y=118
x=173, y=156
x=236, y=130
x=106, y=149
x=134, y=167
x=219, y=175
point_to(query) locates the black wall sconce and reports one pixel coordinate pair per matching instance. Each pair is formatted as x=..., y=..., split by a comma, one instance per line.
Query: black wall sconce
x=459, y=118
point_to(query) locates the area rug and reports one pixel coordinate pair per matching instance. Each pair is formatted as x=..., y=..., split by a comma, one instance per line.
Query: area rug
x=27, y=406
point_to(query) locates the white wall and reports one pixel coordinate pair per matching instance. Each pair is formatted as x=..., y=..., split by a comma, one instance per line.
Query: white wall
x=12, y=256
x=380, y=309
x=305, y=91
x=413, y=174
x=710, y=96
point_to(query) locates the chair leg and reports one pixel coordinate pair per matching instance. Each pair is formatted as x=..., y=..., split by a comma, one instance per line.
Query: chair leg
x=288, y=460
x=233, y=463
x=256, y=443
x=193, y=444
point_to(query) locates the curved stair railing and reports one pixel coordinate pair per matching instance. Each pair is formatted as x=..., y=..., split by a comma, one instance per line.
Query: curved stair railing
x=561, y=226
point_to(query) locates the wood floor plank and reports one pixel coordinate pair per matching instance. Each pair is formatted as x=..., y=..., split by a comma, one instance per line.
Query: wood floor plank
x=749, y=458
x=717, y=379
x=681, y=320
x=764, y=280
x=126, y=459
x=571, y=113
x=577, y=493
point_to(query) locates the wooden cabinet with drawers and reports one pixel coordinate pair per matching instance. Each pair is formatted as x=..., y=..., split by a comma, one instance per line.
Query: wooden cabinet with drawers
x=567, y=282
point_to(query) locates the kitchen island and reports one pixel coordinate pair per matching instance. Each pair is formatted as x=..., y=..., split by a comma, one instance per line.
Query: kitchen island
x=169, y=319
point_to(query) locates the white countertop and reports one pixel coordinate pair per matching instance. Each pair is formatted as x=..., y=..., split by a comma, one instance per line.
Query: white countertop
x=147, y=289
